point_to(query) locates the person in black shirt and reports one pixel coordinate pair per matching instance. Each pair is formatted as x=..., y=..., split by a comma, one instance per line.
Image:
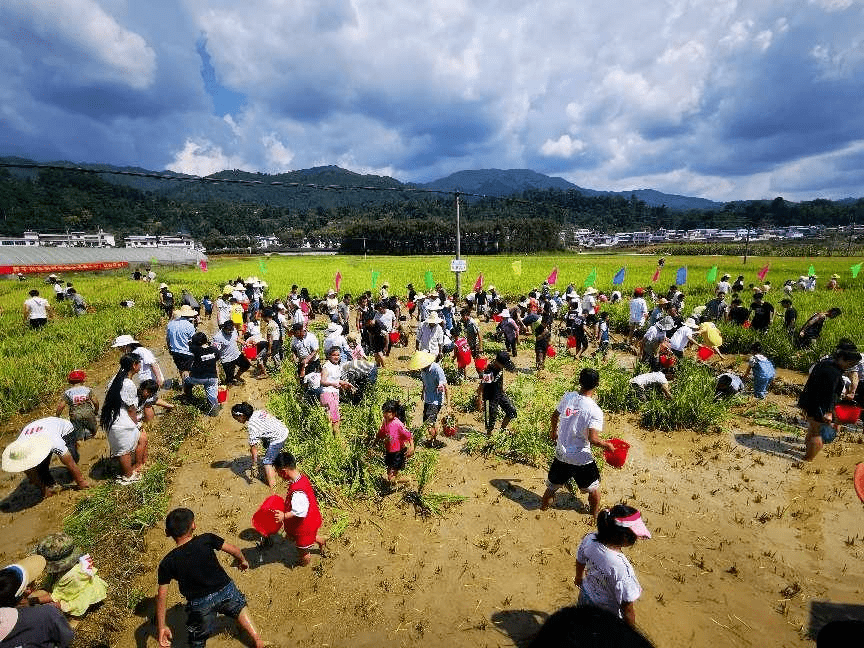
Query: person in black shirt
x=812, y=328
x=203, y=582
x=790, y=316
x=763, y=313
x=738, y=286
x=738, y=314
x=819, y=395
x=491, y=390
x=204, y=371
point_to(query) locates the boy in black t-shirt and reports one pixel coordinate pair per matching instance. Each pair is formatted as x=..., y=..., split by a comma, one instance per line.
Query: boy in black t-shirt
x=491, y=390
x=202, y=581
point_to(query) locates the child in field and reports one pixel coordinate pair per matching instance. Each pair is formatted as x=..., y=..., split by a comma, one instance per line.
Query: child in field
x=203, y=582
x=604, y=576
x=603, y=331
x=762, y=368
x=331, y=383
x=398, y=440
x=302, y=519
x=542, y=336
x=266, y=428
x=83, y=408
x=148, y=396
x=491, y=391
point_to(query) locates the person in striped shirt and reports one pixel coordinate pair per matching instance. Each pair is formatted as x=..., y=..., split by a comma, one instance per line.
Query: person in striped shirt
x=265, y=428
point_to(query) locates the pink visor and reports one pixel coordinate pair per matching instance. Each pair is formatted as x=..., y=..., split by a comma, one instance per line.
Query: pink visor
x=635, y=524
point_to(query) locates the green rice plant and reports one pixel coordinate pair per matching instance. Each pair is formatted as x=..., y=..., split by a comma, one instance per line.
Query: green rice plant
x=423, y=466
x=692, y=405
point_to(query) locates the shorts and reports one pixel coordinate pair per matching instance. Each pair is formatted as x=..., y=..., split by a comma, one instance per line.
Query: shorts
x=395, y=460
x=201, y=612
x=330, y=400
x=586, y=476
x=84, y=424
x=430, y=413
x=183, y=361
x=122, y=440
x=590, y=319
x=271, y=450
x=38, y=322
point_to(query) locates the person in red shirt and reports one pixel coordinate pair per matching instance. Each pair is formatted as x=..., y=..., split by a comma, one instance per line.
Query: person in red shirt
x=302, y=519
x=398, y=440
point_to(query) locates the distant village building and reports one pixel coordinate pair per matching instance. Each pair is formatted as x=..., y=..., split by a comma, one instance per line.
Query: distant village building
x=65, y=239
x=153, y=241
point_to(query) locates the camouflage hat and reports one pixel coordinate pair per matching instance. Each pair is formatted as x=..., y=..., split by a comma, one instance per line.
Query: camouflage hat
x=59, y=551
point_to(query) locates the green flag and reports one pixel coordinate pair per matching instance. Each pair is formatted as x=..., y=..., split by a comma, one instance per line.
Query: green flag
x=811, y=271
x=855, y=270
x=262, y=267
x=590, y=279
x=430, y=282
x=375, y=275
x=711, y=277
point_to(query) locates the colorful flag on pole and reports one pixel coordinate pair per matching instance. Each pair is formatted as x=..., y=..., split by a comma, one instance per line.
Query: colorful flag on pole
x=203, y=265
x=764, y=271
x=479, y=283
x=375, y=275
x=656, y=275
x=591, y=278
x=855, y=270
x=711, y=277
x=430, y=282
x=338, y=280
x=517, y=267
x=681, y=276
x=552, y=279
x=154, y=261
x=811, y=271
x=618, y=279
x=262, y=267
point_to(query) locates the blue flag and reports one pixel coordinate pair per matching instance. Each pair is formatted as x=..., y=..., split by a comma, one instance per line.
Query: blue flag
x=681, y=276
x=618, y=279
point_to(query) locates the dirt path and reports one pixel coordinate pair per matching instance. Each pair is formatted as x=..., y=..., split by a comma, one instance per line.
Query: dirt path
x=747, y=545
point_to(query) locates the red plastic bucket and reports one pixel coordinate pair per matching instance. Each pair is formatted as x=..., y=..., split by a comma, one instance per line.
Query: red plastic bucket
x=846, y=413
x=497, y=318
x=481, y=363
x=250, y=352
x=463, y=353
x=263, y=521
x=550, y=351
x=571, y=342
x=705, y=353
x=618, y=456
x=222, y=394
x=410, y=305
x=667, y=361
x=394, y=336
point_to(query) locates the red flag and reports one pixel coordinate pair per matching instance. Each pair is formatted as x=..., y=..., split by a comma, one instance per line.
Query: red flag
x=203, y=265
x=764, y=271
x=338, y=280
x=656, y=275
x=552, y=279
x=479, y=283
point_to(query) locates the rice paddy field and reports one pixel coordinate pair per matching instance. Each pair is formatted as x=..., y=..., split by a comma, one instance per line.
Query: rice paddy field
x=751, y=546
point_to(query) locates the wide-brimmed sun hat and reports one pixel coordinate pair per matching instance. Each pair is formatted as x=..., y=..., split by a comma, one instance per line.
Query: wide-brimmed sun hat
x=185, y=311
x=124, y=340
x=28, y=569
x=634, y=523
x=691, y=323
x=591, y=291
x=666, y=324
x=333, y=327
x=434, y=318
x=162, y=285
x=421, y=360
x=59, y=552
x=26, y=453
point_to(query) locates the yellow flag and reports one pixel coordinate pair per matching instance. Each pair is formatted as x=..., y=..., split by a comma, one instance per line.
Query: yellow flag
x=517, y=267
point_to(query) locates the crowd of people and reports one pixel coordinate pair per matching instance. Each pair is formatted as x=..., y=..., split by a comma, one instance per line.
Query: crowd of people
x=256, y=335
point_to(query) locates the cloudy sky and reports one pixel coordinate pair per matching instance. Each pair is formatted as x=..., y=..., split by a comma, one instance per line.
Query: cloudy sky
x=713, y=98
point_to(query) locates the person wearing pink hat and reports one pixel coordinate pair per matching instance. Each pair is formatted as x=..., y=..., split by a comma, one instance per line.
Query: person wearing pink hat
x=604, y=576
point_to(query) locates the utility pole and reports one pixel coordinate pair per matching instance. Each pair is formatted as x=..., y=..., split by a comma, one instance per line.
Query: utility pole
x=458, y=249
x=746, y=244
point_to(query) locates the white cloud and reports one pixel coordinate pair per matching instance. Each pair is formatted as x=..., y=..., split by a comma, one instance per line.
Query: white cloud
x=278, y=155
x=563, y=147
x=202, y=158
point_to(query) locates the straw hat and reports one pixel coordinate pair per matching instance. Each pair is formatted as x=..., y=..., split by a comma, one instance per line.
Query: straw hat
x=124, y=340
x=421, y=360
x=591, y=291
x=185, y=311
x=835, y=276
x=666, y=324
x=434, y=318
x=691, y=323
x=29, y=568
x=59, y=552
x=491, y=288
x=227, y=289
x=419, y=296
x=26, y=452
x=333, y=327
x=353, y=336
x=162, y=285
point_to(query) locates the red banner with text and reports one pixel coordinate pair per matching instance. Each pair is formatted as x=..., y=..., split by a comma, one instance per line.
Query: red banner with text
x=62, y=267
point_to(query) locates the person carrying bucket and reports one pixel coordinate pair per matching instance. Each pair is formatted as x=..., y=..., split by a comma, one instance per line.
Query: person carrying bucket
x=575, y=426
x=490, y=392
x=302, y=517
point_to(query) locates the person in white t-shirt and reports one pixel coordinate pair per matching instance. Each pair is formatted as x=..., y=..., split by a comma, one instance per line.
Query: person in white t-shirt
x=638, y=312
x=37, y=310
x=581, y=422
x=651, y=380
x=604, y=576
x=683, y=337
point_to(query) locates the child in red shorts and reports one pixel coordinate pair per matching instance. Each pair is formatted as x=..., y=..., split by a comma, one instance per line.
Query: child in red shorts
x=302, y=519
x=399, y=442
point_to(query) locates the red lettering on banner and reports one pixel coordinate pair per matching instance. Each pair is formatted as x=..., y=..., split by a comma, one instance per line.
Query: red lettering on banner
x=63, y=267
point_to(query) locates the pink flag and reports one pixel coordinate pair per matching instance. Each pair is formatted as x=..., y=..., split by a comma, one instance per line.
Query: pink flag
x=338, y=280
x=479, y=283
x=552, y=279
x=656, y=275
x=764, y=271
x=203, y=265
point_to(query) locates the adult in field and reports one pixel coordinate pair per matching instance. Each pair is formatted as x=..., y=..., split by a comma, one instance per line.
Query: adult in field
x=37, y=310
x=762, y=312
x=234, y=363
x=491, y=391
x=304, y=346
x=638, y=312
x=430, y=335
x=166, y=300
x=790, y=317
x=344, y=313
x=119, y=418
x=654, y=341
x=575, y=426
x=335, y=338
x=434, y=392
x=683, y=336
x=723, y=286
x=178, y=333
x=824, y=385
x=150, y=369
x=812, y=328
x=32, y=451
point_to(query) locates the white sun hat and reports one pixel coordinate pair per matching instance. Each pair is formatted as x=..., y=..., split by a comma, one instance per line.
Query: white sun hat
x=26, y=453
x=124, y=340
